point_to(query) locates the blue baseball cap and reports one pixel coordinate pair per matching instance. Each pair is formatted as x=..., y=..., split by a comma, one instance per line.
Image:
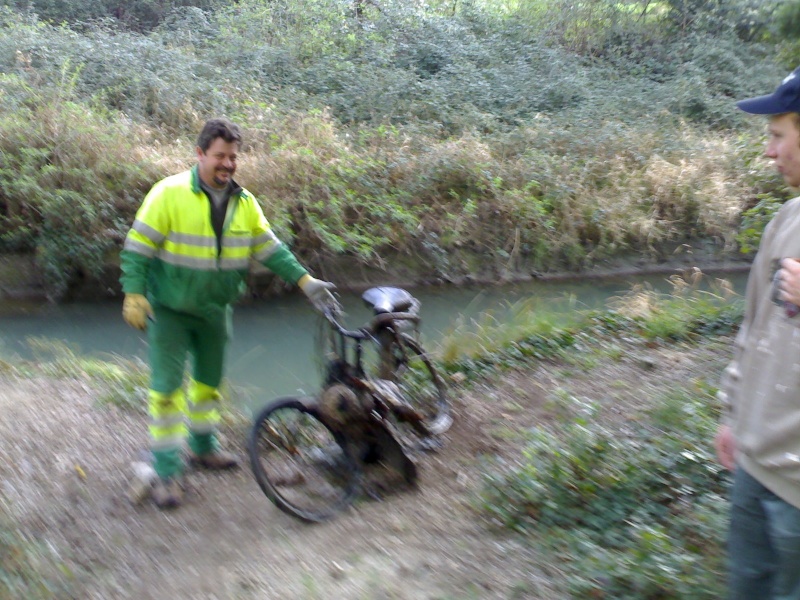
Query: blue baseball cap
x=785, y=98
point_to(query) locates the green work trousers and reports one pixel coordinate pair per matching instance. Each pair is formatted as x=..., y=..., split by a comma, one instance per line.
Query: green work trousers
x=173, y=336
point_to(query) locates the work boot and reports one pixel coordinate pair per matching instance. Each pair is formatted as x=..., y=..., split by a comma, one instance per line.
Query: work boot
x=167, y=493
x=216, y=460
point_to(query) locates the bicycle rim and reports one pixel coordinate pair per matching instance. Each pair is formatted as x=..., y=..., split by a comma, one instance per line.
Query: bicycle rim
x=420, y=384
x=301, y=465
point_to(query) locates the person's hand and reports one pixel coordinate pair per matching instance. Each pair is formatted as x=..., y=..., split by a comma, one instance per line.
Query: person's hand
x=789, y=277
x=136, y=310
x=318, y=292
x=726, y=447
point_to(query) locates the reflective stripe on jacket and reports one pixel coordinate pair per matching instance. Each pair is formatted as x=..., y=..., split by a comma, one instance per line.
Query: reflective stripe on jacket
x=171, y=251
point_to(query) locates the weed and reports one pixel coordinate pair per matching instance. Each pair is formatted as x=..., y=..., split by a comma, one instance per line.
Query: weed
x=27, y=568
x=469, y=140
x=635, y=513
x=310, y=586
x=695, y=307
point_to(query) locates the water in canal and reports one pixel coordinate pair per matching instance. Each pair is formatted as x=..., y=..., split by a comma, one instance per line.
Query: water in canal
x=273, y=346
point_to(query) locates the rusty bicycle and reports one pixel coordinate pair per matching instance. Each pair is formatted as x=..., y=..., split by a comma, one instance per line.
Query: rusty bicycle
x=382, y=402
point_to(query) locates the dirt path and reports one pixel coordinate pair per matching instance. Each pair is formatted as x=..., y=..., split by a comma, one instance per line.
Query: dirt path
x=64, y=465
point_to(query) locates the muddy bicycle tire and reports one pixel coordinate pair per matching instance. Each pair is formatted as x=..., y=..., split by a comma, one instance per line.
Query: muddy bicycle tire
x=419, y=382
x=299, y=462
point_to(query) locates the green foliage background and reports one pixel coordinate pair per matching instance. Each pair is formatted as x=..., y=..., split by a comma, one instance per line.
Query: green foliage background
x=467, y=138
x=455, y=138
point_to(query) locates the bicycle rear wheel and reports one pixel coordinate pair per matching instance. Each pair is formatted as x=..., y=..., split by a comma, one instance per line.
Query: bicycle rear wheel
x=300, y=463
x=419, y=384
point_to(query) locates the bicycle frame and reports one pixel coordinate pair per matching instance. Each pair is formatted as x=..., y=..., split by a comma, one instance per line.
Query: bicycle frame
x=382, y=330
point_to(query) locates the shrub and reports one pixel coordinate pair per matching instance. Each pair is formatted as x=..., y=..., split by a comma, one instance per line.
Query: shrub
x=461, y=141
x=28, y=569
x=638, y=514
x=70, y=180
x=138, y=15
x=635, y=509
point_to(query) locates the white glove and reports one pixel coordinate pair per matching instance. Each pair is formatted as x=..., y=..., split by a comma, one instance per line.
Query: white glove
x=318, y=292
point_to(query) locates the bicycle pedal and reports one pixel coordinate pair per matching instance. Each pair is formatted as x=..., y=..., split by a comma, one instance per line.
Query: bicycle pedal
x=440, y=425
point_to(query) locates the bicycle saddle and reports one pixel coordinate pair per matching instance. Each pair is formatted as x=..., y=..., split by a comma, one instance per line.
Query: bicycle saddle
x=387, y=299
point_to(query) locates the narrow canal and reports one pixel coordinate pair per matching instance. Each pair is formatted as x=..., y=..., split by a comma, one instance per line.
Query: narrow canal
x=272, y=352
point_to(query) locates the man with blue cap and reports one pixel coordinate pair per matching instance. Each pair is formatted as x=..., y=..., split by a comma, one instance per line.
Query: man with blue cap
x=759, y=437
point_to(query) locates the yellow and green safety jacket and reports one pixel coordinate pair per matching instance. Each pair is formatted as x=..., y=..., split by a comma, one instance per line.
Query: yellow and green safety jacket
x=172, y=254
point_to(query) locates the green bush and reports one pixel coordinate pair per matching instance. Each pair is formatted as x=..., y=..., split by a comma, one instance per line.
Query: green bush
x=787, y=31
x=749, y=19
x=138, y=15
x=755, y=220
x=787, y=20
x=461, y=140
x=407, y=65
x=633, y=510
x=70, y=180
x=632, y=515
x=28, y=569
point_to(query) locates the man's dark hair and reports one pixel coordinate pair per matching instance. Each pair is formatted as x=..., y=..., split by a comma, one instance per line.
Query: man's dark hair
x=218, y=128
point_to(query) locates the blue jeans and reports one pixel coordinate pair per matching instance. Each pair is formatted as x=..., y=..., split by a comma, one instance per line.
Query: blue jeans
x=764, y=543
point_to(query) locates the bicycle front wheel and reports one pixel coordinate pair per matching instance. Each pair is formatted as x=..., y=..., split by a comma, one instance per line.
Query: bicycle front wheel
x=300, y=463
x=420, y=385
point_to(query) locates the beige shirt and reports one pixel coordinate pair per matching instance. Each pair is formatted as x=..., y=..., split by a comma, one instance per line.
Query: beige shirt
x=761, y=386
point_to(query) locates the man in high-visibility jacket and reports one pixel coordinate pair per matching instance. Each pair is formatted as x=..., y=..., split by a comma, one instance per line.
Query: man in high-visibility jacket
x=184, y=262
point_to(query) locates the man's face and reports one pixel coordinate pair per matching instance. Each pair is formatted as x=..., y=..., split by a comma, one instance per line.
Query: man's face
x=784, y=147
x=218, y=164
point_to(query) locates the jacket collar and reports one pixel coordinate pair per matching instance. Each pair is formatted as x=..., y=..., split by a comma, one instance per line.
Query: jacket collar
x=236, y=189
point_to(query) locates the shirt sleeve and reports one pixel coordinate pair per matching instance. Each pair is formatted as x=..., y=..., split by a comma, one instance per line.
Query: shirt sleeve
x=145, y=237
x=270, y=251
x=285, y=265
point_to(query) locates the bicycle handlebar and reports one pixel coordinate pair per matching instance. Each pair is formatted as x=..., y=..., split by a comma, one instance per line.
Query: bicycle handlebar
x=367, y=330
